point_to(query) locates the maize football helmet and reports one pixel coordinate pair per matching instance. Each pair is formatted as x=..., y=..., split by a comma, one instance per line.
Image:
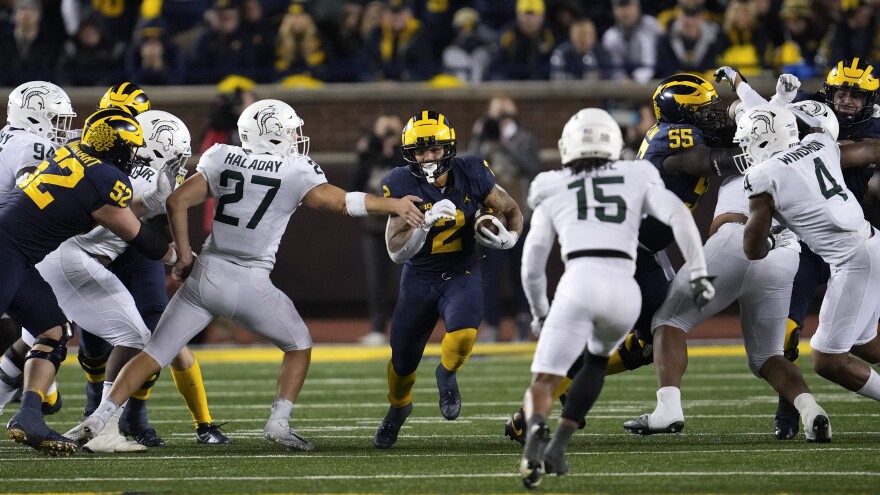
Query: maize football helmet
x=126, y=95
x=859, y=78
x=763, y=131
x=113, y=135
x=272, y=126
x=166, y=139
x=42, y=108
x=428, y=129
x=689, y=99
x=590, y=133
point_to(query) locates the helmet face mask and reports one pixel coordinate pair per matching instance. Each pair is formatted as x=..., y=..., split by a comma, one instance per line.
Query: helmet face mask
x=762, y=132
x=272, y=126
x=113, y=135
x=852, y=89
x=590, y=133
x=428, y=131
x=166, y=140
x=41, y=108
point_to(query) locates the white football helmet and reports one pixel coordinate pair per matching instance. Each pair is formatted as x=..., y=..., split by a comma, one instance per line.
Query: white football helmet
x=272, y=126
x=590, y=133
x=763, y=131
x=816, y=114
x=42, y=108
x=166, y=139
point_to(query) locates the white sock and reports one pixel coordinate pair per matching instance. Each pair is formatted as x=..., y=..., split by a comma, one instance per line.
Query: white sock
x=871, y=389
x=9, y=368
x=105, y=412
x=668, y=404
x=281, y=409
x=804, y=401
x=52, y=388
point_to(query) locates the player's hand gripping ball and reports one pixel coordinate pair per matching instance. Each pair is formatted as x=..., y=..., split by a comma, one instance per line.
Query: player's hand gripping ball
x=490, y=219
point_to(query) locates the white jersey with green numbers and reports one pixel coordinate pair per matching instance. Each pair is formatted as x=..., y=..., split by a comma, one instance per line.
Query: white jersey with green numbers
x=19, y=150
x=811, y=199
x=255, y=195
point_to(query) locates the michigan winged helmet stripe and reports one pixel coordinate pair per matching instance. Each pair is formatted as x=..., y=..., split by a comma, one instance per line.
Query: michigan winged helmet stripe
x=126, y=95
x=703, y=92
x=428, y=128
x=858, y=74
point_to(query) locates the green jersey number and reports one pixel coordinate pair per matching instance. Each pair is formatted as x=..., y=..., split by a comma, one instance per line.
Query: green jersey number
x=614, y=212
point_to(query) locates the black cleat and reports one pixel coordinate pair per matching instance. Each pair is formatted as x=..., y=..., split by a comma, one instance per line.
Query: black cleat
x=450, y=399
x=821, y=429
x=785, y=423
x=641, y=426
x=387, y=432
x=515, y=428
x=50, y=409
x=144, y=435
x=531, y=466
x=209, y=433
x=41, y=437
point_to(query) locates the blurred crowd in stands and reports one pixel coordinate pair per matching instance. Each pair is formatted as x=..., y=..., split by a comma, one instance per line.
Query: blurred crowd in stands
x=446, y=42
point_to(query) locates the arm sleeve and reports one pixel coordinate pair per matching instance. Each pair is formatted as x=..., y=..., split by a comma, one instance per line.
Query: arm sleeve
x=749, y=96
x=666, y=207
x=536, y=250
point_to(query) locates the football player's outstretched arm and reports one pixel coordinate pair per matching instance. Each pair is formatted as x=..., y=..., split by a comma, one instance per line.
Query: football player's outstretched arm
x=122, y=222
x=757, y=230
x=194, y=191
x=859, y=153
x=665, y=206
x=328, y=197
x=404, y=240
x=499, y=200
x=702, y=161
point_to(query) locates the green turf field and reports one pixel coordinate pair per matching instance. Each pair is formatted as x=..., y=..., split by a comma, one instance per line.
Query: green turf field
x=727, y=445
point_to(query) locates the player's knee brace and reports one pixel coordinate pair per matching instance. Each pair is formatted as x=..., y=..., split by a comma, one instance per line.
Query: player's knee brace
x=456, y=348
x=632, y=353
x=400, y=387
x=792, y=339
x=58, y=352
x=143, y=393
x=94, y=367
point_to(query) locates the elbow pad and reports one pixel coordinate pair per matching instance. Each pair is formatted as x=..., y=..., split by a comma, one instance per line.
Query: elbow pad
x=723, y=161
x=149, y=243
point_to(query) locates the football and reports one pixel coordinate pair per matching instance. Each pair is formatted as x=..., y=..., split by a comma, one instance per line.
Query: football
x=483, y=218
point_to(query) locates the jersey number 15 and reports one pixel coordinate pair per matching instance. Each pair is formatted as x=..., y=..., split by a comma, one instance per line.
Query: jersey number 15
x=602, y=212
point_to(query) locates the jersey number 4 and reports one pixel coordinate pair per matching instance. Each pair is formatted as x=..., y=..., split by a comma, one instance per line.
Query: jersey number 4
x=236, y=195
x=602, y=212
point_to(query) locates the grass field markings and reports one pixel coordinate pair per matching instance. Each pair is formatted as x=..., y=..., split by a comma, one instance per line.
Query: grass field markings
x=403, y=476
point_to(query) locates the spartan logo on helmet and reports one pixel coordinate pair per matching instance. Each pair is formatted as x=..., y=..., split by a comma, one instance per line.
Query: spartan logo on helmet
x=269, y=123
x=163, y=133
x=762, y=123
x=32, y=98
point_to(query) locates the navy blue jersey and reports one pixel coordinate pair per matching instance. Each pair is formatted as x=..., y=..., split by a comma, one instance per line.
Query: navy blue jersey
x=856, y=179
x=56, y=201
x=662, y=141
x=450, y=245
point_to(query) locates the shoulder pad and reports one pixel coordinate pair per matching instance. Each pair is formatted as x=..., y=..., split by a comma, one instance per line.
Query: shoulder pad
x=543, y=186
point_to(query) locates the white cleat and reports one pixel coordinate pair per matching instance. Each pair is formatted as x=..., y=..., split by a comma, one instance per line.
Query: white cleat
x=82, y=433
x=817, y=427
x=278, y=431
x=110, y=442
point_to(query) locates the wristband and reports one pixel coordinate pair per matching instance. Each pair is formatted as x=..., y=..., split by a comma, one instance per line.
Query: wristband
x=356, y=204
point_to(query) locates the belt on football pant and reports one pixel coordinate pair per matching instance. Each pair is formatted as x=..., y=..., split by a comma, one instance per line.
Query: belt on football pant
x=597, y=253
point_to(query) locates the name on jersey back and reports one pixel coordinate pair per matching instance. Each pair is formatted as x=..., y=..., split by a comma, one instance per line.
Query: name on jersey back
x=801, y=152
x=255, y=164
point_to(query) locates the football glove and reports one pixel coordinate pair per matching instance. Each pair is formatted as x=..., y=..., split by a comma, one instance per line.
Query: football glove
x=537, y=325
x=780, y=236
x=786, y=88
x=728, y=73
x=442, y=210
x=504, y=239
x=702, y=291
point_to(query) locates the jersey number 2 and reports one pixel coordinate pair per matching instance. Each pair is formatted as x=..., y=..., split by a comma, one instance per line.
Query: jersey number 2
x=236, y=195
x=601, y=212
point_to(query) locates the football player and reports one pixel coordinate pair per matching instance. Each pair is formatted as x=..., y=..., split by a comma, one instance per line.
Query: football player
x=763, y=290
x=441, y=277
x=800, y=183
x=595, y=204
x=83, y=183
x=145, y=281
x=39, y=116
x=258, y=186
x=687, y=146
